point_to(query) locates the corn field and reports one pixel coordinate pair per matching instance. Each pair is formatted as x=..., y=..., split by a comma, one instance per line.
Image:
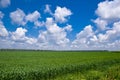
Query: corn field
x=59, y=65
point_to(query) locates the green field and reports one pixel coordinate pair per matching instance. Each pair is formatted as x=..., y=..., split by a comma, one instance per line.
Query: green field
x=59, y=65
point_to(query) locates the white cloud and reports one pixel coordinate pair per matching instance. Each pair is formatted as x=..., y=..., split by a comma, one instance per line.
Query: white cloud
x=11, y=44
x=108, y=25
x=112, y=34
x=39, y=24
x=31, y=40
x=47, y=9
x=5, y=43
x=3, y=30
x=61, y=14
x=19, y=36
x=109, y=9
x=87, y=32
x=68, y=28
x=32, y=17
x=101, y=24
x=18, y=17
x=84, y=36
x=51, y=26
x=54, y=35
x=116, y=26
x=41, y=37
x=102, y=37
x=18, y=40
x=4, y=3
x=1, y=15
x=88, y=39
x=109, y=22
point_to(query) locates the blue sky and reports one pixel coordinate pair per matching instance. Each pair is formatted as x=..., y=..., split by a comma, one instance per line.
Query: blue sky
x=60, y=24
x=82, y=11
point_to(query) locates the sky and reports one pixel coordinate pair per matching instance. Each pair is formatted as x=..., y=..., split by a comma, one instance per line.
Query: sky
x=60, y=24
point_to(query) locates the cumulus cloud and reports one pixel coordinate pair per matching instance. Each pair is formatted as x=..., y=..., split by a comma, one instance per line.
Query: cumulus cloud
x=54, y=35
x=19, y=36
x=4, y=3
x=18, y=40
x=61, y=14
x=109, y=9
x=101, y=24
x=88, y=39
x=109, y=14
x=86, y=32
x=68, y=27
x=39, y=23
x=31, y=41
x=47, y=9
x=32, y=17
x=1, y=15
x=3, y=30
x=108, y=29
x=84, y=37
x=112, y=34
x=18, y=17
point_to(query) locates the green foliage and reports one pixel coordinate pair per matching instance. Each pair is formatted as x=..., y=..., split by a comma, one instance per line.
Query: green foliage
x=110, y=73
x=46, y=65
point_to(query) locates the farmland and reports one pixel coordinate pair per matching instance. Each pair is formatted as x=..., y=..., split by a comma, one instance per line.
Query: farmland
x=59, y=65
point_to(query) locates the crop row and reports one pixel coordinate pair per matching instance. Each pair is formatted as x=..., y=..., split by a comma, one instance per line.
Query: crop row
x=51, y=73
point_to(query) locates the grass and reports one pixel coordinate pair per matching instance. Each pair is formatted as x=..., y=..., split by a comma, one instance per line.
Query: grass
x=56, y=65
